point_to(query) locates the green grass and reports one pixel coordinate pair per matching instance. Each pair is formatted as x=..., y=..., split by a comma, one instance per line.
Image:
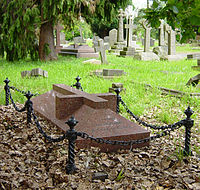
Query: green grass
x=173, y=75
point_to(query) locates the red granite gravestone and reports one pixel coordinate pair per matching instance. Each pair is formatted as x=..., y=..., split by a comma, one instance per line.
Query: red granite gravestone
x=96, y=115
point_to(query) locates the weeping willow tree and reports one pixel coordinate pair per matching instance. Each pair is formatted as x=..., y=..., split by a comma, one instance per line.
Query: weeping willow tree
x=27, y=25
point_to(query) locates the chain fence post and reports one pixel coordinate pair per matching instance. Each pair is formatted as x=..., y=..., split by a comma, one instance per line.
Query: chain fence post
x=6, y=88
x=78, y=84
x=71, y=136
x=188, y=125
x=29, y=106
x=117, y=91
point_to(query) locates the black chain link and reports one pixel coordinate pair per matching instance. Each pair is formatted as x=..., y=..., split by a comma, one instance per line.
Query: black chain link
x=155, y=127
x=13, y=103
x=49, y=138
x=21, y=91
x=129, y=143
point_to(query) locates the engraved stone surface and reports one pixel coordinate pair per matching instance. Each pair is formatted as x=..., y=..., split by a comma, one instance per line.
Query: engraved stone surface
x=96, y=114
x=34, y=72
x=112, y=37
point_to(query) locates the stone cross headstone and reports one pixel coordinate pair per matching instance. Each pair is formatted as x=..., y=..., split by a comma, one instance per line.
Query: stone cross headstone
x=129, y=26
x=120, y=36
x=96, y=115
x=171, y=40
x=112, y=37
x=147, y=36
x=161, y=34
x=101, y=48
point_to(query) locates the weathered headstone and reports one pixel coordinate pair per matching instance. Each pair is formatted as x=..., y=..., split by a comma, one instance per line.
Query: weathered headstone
x=102, y=50
x=171, y=40
x=147, y=36
x=193, y=56
x=129, y=50
x=59, y=104
x=112, y=37
x=34, y=72
x=161, y=34
x=120, y=35
x=108, y=73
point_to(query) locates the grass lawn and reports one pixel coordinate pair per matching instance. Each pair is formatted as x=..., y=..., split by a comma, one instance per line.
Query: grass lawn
x=173, y=75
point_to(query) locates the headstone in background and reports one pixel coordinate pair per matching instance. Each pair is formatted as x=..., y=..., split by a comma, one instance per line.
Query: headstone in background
x=146, y=36
x=34, y=72
x=120, y=35
x=171, y=40
x=96, y=115
x=62, y=38
x=193, y=56
x=161, y=34
x=101, y=48
x=146, y=56
x=112, y=37
x=108, y=73
x=106, y=39
x=129, y=50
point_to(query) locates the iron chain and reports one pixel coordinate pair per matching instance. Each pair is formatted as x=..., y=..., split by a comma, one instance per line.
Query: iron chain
x=179, y=123
x=21, y=91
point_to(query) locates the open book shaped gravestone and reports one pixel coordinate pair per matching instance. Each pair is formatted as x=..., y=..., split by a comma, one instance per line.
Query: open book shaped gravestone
x=96, y=115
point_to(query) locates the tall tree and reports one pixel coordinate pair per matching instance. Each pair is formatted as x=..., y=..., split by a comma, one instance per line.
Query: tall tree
x=182, y=14
x=25, y=22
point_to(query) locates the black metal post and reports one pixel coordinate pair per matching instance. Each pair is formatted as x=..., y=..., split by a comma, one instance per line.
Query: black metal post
x=6, y=88
x=117, y=91
x=29, y=106
x=78, y=84
x=72, y=136
x=188, y=125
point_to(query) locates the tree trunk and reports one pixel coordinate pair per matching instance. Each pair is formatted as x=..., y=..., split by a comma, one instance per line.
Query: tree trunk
x=46, y=42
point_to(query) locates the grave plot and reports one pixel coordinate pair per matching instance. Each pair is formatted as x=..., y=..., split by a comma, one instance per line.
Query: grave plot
x=96, y=114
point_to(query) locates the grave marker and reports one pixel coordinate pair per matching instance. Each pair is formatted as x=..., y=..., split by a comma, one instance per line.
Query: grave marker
x=171, y=40
x=101, y=48
x=59, y=104
x=147, y=36
x=120, y=36
x=161, y=34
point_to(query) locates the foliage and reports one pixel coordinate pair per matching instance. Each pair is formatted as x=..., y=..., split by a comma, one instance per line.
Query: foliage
x=21, y=19
x=184, y=15
x=100, y=23
x=86, y=29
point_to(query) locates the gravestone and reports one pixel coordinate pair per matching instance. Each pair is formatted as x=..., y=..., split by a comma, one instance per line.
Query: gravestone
x=108, y=73
x=193, y=56
x=102, y=51
x=198, y=65
x=161, y=34
x=34, y=73
x=59, y=104
x=120, y=35
x=112, y=37
x=129, y=50
x=147, y=36
x=171, y=40
x=152, y=42
x=78, y=51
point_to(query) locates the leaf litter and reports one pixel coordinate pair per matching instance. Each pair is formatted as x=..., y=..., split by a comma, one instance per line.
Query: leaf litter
x=28, y=161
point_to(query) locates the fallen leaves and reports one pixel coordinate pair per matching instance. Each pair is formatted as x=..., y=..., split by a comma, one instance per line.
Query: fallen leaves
x=27, y=161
